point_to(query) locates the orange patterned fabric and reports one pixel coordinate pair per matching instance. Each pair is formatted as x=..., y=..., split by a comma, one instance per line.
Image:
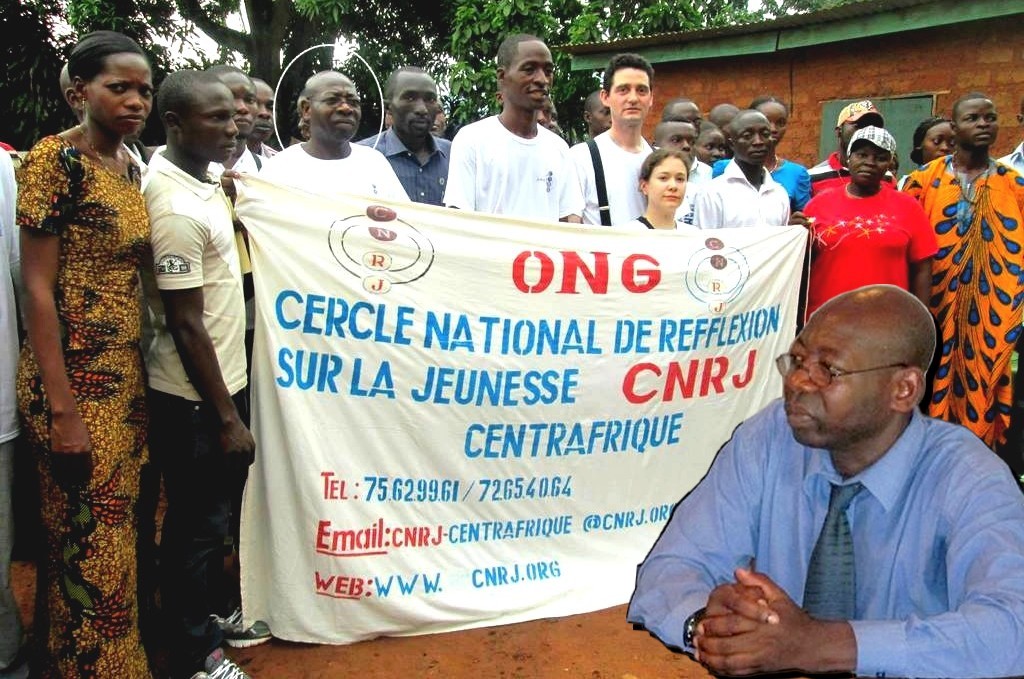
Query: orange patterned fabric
x=977, y=289
x=90, y=625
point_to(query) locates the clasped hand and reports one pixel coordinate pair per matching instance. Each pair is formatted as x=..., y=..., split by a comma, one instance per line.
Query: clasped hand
x=752, y=626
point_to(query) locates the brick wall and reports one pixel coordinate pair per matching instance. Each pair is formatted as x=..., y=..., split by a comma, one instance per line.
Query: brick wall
x=983, y=55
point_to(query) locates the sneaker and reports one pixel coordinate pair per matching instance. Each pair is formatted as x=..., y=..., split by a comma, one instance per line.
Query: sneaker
x=238, y=636
x=219, y=666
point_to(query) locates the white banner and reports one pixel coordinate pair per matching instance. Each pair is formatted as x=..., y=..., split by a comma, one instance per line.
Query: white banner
x=465, y=420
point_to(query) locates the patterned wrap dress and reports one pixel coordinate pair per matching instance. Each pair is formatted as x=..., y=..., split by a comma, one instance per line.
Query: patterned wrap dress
x=977, y=290
x=89, y=626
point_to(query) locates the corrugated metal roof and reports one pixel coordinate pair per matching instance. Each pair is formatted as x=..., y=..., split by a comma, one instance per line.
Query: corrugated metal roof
x=850, y=10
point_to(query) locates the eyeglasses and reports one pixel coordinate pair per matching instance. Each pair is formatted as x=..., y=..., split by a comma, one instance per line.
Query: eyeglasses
x=821, y=374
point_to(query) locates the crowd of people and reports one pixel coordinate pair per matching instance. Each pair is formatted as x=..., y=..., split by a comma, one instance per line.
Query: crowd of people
x=112, y=406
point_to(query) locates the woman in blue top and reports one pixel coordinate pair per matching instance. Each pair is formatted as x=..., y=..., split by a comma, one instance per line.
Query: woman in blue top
x=793, y=176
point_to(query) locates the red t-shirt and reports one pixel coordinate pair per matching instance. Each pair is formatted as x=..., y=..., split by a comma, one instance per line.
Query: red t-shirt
x=864, y=241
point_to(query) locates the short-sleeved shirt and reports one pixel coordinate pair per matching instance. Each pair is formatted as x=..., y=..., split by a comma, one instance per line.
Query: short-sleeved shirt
x=193, y=241
x=423, y=182
x=364, y=172
x=621, y=175
x=793, y=177
x=700, y=174
x=864, y=241
x=732, y=201
x=495, y=171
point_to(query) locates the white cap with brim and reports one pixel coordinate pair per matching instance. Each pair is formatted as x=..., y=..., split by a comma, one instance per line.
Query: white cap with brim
x=878, y=136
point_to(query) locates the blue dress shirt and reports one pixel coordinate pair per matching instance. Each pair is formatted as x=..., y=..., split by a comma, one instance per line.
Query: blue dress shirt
x=792, y=176
x=424, y=183
x=938, y=540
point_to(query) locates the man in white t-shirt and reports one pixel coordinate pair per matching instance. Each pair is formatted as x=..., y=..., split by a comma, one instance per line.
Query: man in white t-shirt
x=507, y=164
x=329, y=163
x=626, y=91
x=745, y=194
x=195, y=366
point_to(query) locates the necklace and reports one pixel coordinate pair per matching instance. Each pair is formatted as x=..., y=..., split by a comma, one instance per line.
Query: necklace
x=118, y=167
x=971, y=190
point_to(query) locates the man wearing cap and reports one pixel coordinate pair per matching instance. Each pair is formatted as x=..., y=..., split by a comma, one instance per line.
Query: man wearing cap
x=864, y=235
x=833, y=170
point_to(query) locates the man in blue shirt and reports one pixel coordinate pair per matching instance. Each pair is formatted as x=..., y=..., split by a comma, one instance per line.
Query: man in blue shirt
x=936, y=529
x=419, y=158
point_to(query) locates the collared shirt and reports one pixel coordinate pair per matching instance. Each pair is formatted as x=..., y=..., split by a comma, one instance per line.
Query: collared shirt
x=700, y=174
x=246, y=163
x=1015, y=159
x=828, y=174
x=730, y=200
x=424, y=183
x=267, y=151
x=793, y=177
x=938, y=544
x=194, y=246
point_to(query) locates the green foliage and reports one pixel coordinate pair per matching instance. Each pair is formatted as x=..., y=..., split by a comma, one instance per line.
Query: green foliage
x=455, y=40
x=39, y=36
x=30, y=101
x=478, y=28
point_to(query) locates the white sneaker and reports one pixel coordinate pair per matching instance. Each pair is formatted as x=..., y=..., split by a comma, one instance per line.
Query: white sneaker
x=219, y=666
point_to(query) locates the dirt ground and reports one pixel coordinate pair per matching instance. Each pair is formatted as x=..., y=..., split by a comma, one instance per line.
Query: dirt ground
x=598, y=645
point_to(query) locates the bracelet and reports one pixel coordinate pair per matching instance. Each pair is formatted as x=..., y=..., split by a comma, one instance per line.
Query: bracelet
x=690, y=627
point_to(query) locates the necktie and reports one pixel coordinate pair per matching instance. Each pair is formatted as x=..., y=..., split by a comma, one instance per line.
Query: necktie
x=830, y=592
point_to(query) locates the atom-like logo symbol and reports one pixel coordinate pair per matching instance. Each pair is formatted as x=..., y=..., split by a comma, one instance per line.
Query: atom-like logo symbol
x=716, y=273
x=380, y=253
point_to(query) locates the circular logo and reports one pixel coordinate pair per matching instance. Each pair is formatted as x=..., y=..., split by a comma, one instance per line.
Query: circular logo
x=716, y=274
x=381, y=254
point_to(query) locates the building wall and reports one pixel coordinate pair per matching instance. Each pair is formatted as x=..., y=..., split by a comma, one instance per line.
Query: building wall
x=948, y=62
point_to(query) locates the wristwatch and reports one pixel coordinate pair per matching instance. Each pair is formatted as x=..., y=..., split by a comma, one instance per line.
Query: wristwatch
x=690, y=627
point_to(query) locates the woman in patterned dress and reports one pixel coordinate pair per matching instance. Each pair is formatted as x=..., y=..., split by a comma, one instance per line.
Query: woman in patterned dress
x=84, y=234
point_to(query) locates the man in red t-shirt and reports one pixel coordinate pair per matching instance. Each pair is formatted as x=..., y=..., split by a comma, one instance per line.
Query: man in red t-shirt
x=833, y=170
